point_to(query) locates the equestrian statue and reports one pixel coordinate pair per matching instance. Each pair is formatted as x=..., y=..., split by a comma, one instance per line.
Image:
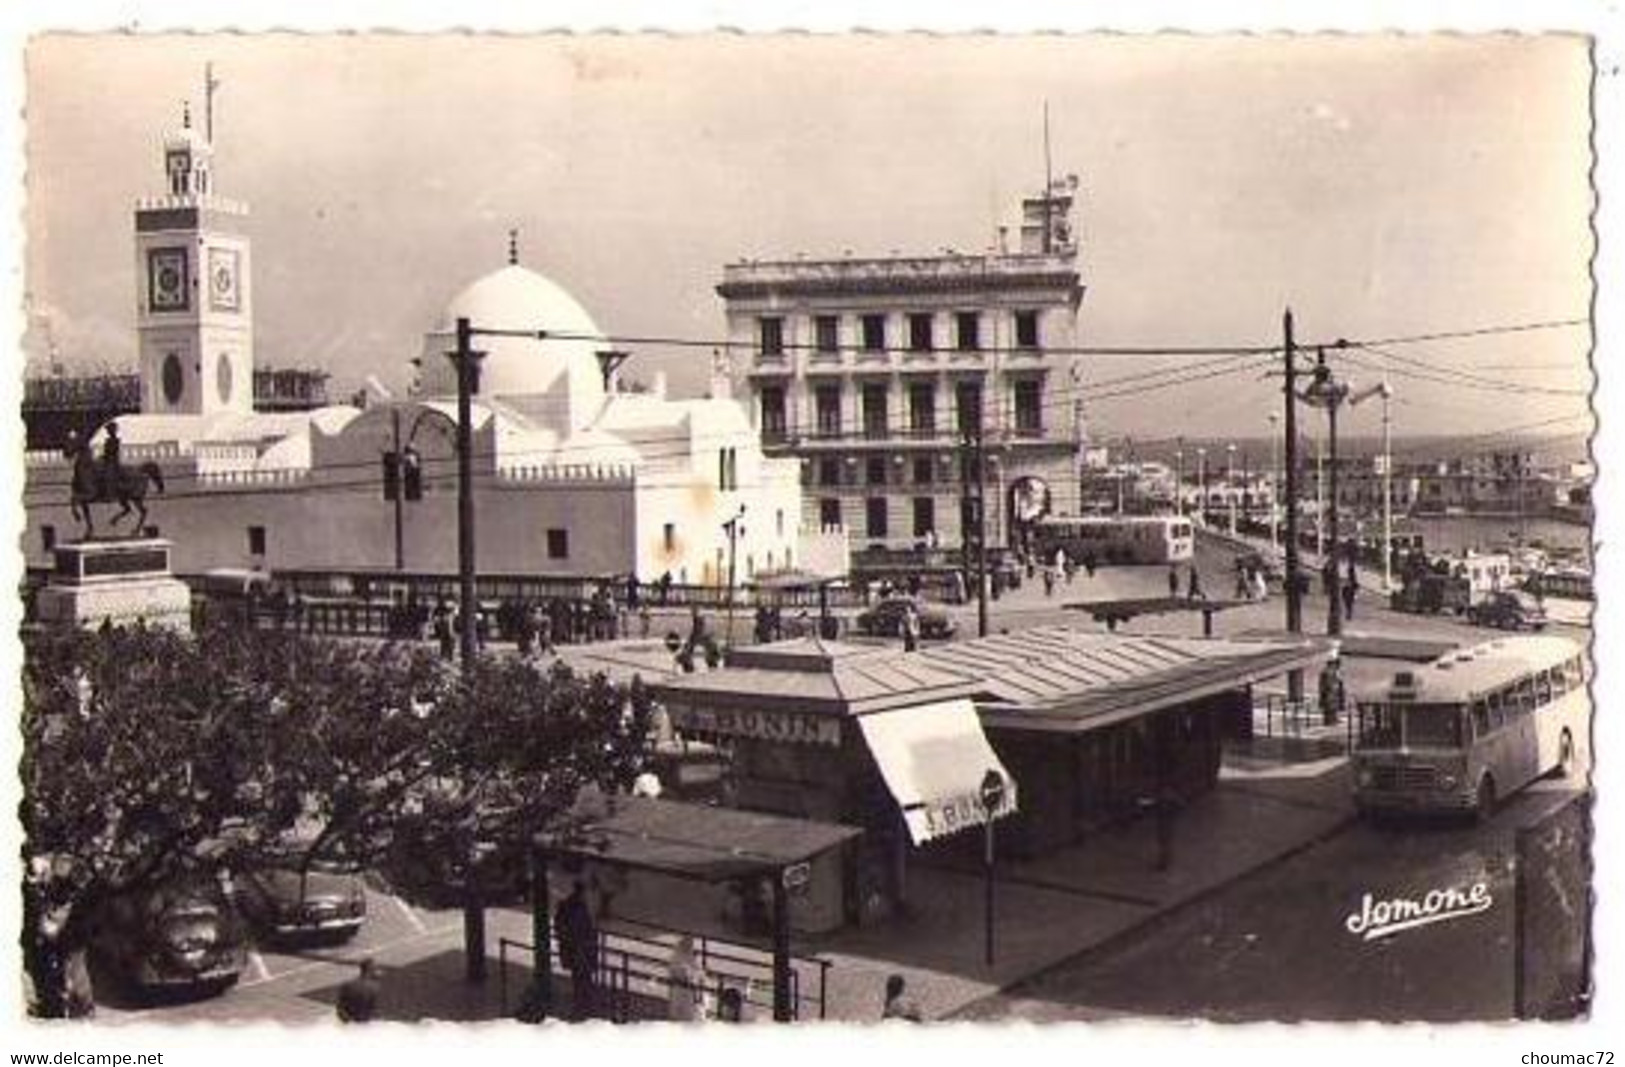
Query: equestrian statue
x=108, y=481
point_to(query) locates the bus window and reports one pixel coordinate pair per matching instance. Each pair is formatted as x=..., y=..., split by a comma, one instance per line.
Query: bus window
x=1481, y=717
x=1433, y=726
x=1497, y=711
x=1560, y=681
x=1543, y=688
x=1526, y=695
x=1379, y=726
x=1575, y=672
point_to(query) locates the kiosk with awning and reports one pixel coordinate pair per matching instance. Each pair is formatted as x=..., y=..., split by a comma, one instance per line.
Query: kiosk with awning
x=864, y=735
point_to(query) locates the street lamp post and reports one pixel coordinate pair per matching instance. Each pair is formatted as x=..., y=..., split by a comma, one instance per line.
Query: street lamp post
x=734, y=531
x=1179, y=482
x=1230, y=484
x=992, y=797
x=1201, y=483
x=1327, y=392
x=1386, y=391
x=1275, y=477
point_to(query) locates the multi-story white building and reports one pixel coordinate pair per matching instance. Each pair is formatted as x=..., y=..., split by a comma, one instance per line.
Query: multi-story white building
x=872, y=373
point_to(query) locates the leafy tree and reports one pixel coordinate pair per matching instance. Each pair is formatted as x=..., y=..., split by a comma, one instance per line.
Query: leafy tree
x=150, y=756
x=132, y=772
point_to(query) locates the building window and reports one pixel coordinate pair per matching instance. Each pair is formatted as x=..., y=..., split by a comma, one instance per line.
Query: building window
x=968, y=401
x=875, y=469
x=922, y=408
x=1030, y=407
x=1026, y=329
x=919, y=332
x=828, y=400
x=874, y=333
x=829, y=512
x=876, y=508
x=772, y=333
x=874, y=411
x=728, y=469
x=256, y=540
x=47, y=538
x=829, y=472
x=925, y=472
x=668, y=537
x=968, y=327
x=558, y=544
x=773, y=422
x=925, y=516
x=778, y=528
x=827, y=334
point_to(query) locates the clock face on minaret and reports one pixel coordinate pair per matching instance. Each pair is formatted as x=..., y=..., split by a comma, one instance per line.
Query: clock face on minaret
x=225, y=284
x=168, y=279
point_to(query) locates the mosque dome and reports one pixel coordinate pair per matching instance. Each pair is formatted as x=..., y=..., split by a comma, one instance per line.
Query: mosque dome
x=516, y=298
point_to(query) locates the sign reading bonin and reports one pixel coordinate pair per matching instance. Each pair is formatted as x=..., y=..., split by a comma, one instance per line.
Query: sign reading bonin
x=792, y=727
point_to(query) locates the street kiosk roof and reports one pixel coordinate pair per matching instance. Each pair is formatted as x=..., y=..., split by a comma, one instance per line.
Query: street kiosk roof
x=700, y=842
x=1060, y=680
x=818, y=676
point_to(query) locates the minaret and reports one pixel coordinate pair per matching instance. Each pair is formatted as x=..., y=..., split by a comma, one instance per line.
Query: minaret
x=194, y=317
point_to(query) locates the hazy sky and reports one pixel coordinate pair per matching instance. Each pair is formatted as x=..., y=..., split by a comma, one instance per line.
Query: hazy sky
x=1381, y=186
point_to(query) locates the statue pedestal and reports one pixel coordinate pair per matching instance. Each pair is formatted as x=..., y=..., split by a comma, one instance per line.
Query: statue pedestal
x=114, y=581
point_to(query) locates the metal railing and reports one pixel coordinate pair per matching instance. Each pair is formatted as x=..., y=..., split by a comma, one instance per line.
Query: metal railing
x=633, y=968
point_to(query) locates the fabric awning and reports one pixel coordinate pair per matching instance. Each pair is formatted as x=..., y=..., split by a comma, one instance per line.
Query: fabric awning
x=933, y=758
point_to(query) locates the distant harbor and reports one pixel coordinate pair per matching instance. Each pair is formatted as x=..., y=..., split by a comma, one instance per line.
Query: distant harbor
x=1456, y=533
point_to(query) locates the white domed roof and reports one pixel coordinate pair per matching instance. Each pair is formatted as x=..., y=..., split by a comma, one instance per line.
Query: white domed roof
x=515, y=298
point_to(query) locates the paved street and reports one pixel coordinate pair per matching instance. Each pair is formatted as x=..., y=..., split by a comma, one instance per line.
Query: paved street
x=1274, y=945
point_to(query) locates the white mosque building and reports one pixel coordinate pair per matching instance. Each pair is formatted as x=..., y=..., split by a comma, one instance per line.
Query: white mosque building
x=573, y=476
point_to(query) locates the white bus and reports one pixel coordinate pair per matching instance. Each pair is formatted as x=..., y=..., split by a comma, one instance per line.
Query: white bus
x=1472, y=727
x=1116, y=539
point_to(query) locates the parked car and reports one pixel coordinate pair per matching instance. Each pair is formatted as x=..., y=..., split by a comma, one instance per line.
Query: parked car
x=886, y=619
x=178, y=939
x=326, y=901
x=1508, y=610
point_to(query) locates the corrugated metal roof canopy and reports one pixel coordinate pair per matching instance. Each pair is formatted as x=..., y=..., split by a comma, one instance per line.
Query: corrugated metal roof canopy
x=1057, y=679
x=816, y=675
x=700, y=842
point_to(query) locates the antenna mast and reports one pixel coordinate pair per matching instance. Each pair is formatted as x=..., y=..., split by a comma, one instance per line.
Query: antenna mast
x=1049, y=207
x=210, y=84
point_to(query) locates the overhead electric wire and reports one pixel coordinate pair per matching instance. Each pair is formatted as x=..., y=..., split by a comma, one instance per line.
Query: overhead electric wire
x=1452, y=335
x=1461, y=377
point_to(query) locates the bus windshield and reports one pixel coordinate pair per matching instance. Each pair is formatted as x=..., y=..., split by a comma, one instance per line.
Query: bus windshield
x=1433, y=726
x=1379, y=726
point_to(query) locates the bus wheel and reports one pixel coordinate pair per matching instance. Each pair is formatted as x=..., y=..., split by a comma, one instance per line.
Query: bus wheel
x=1565, y=755
x=1486, y=799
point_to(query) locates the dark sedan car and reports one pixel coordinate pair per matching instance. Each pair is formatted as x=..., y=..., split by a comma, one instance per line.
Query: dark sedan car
x=1509, y=611
x=180, y=939
x=325, y=901
x=886, y=619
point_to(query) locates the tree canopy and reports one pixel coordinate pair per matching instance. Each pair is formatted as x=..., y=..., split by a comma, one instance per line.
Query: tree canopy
x=150, y=755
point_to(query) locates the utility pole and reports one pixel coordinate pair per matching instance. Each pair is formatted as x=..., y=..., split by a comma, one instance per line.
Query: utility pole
x=1334, y=605
x=467, y=363
x=400, y=490
x=973, y=511
x=1294, y=594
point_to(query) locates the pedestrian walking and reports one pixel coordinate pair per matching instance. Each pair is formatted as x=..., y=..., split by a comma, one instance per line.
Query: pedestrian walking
x=443, y=629
x=1173, y=579
x=1049, y=581
x=687, y=984
x=578, y=949
x=358, y=998
x=911, y=629
x=899, y=1005
x=1243, y=584
x=1193, y=590
x=1261, y=585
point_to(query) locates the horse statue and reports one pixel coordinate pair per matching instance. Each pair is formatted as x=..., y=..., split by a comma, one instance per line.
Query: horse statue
x=95, y=482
